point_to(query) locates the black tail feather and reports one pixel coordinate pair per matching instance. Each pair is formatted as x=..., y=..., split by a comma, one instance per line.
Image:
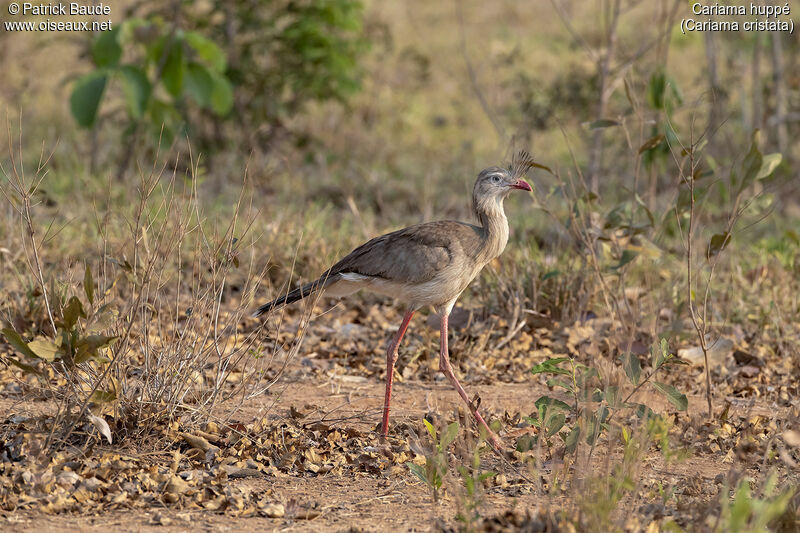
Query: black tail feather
x=295, y=295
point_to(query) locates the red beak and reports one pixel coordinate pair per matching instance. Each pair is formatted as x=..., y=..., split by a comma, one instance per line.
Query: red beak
x=522, y=185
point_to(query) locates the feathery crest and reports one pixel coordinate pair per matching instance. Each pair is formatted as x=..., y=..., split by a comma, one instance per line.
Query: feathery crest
x=520, y=164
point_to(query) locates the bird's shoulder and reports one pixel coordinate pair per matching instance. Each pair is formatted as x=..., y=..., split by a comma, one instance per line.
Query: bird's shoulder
x=441, y=233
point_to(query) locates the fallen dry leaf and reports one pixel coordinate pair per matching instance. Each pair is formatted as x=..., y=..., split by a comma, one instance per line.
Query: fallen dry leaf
x=101, y=425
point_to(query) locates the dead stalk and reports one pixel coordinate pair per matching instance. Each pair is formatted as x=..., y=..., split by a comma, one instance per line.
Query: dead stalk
x=168, y=349
x=700, y=328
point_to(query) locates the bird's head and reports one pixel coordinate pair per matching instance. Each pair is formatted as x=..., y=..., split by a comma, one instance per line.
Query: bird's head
x=494, y=183
x=497, y=181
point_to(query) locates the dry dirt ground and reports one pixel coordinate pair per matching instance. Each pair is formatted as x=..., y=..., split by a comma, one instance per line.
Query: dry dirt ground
x=337, y=385
x=391, y=501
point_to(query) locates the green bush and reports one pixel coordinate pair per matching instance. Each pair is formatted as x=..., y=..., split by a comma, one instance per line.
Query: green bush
x=186, y=71
x=158, y=67
x=285, y=54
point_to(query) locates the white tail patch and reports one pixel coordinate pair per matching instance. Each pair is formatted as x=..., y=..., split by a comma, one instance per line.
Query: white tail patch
x=352, y=276
x=348, y=283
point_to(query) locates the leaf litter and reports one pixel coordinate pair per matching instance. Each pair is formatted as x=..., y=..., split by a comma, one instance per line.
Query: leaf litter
x=192, y=468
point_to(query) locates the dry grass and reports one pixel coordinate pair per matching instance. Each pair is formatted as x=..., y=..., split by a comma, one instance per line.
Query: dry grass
x=181, y=254
x=164, y=292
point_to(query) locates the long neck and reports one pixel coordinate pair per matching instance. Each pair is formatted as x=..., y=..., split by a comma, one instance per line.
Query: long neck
x=495, y=228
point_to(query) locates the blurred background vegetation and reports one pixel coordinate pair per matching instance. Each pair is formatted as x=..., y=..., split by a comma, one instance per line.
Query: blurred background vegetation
x=368, y=115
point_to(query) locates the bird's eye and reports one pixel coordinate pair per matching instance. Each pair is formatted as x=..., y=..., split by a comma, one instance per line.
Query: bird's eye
x=495, y=179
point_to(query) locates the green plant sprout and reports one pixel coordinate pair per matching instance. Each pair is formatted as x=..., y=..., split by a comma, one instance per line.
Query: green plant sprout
x=436, y=464
x=552, y=413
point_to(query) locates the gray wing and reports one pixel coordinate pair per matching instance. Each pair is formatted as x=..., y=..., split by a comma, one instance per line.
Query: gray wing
x=414, y=254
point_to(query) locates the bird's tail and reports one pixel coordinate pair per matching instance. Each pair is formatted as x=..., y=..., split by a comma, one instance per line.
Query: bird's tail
x=297, y=294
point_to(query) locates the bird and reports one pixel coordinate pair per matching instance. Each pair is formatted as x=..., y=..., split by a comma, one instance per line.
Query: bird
x=426, y=265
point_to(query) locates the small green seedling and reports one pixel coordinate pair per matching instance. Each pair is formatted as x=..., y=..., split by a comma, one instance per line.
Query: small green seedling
x=436, y=466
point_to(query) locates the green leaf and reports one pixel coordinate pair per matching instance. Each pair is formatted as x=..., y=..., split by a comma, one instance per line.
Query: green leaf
x=612, y=397
x=86, y=95
x=718, y=243
x=87, y=347
x=16, y=341
x=670, y=526
x=632, y=367
x=486, y=475
x=616, y=217
x=664, y=347
x=656, y=89
x=88, y=284
x=45, y=349
x=572, y=438
x=469, y=482
x=742, y=505
x=103, y=318
x=95, y=342
x=651, y=143
x=628, y=255
x=137, y=90
x=550, y=366
x=592, y=429
x=101, y=396
x=535, y=422
x=694, y=150
x=555, y=382
x=555, y=423
x=626, y=436
x=106, y=50
x=641, y=410
x=71, y=312
x=450, y=435
x=430, y=428
x=174, y=69
x=675, y=90
x=418, y=471
x=221, y=95
x=525, y=443
x=28, y=369
x=675, y=398
x=162, y=115
x=603, y=123
x=603, y=413
x=657, y=357
x=647, y=211
x=546, y=402
x=751, y=166
x=551, y=274
x=769, y=163
x=207, y=50
x=199, y=84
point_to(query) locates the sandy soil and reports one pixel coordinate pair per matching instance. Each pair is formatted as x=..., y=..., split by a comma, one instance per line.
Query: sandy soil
x=394, y=501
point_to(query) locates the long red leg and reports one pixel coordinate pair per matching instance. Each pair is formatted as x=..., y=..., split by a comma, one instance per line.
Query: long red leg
x=391, y=357
x=447, y=370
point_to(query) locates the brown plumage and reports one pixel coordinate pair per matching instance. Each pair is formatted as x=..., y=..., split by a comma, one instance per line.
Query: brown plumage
x=427, y=264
